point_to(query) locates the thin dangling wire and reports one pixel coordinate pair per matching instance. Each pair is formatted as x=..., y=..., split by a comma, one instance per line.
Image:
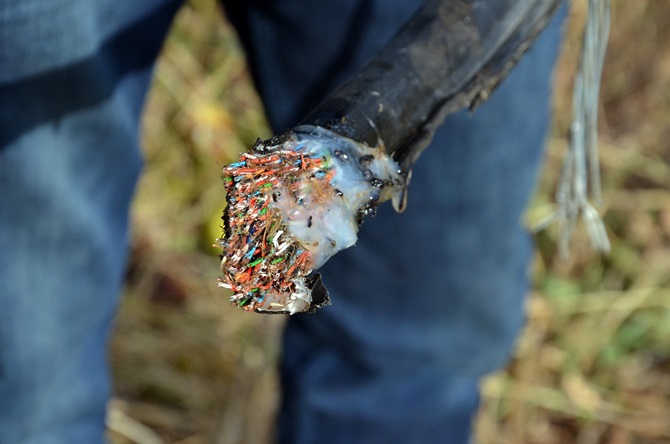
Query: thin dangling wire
x=580, y=175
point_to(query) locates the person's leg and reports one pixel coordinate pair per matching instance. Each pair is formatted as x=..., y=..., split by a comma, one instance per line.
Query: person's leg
x=430, y=300
x=72, y=81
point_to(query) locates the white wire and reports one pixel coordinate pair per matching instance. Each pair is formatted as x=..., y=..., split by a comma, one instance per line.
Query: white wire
x=580, y=175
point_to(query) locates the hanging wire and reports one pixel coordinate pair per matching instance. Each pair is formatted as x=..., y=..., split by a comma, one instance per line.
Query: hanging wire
x=580, y=176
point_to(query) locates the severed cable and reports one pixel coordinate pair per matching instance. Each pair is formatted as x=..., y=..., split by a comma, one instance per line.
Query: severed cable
x=297, y=199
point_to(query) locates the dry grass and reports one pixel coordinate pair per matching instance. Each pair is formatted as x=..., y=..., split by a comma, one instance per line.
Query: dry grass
x=593, y=365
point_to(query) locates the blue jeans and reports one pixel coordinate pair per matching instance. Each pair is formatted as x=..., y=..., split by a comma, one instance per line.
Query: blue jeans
x=424, y=305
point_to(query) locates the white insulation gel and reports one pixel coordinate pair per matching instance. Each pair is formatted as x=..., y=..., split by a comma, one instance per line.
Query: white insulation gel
x=325, y=219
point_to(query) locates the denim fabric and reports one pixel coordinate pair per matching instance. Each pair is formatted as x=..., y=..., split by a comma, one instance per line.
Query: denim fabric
x=73, y=75
x=428, y=301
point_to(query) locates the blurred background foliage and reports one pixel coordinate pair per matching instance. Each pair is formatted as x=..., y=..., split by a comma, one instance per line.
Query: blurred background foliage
x=593, y=364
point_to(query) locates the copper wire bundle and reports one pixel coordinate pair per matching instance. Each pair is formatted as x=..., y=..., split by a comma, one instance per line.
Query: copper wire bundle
x=263, y=264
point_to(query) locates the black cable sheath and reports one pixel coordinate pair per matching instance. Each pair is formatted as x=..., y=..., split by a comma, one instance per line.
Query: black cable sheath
x=450, y=55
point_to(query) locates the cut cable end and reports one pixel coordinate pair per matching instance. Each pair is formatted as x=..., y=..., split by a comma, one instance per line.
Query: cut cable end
x=293, y=202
